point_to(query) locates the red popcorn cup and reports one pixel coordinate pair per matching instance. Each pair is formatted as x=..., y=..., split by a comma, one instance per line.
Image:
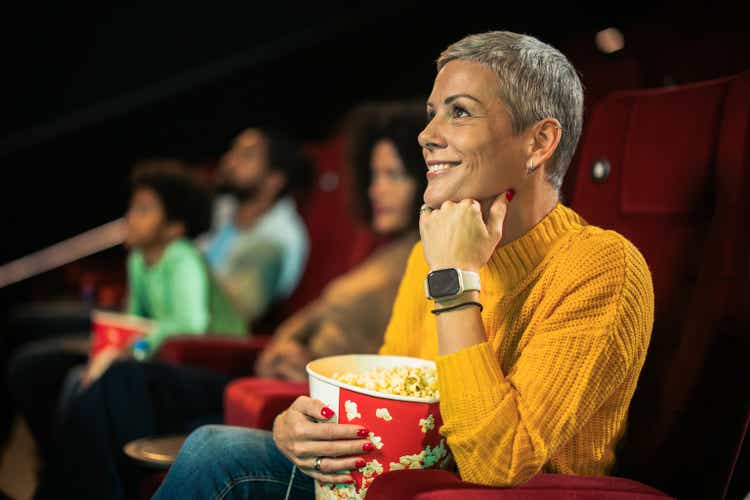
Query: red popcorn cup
x=116, y=330
x=403, y=429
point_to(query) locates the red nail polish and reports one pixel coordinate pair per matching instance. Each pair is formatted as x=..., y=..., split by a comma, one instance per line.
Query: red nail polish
x=510, y=194
x=363, y=433
x=349, y=481
x=360, y=463
x=368, y=447
x=326, y=412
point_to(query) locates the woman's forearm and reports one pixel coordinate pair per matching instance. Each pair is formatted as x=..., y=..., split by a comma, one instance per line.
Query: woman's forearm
x=459, y=328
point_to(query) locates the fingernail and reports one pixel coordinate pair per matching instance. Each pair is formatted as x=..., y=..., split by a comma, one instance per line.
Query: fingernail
x=326, y=412
x=360, y=463
x=368, y=446
x=510, y=194
x=363, y=433
x=349, y=481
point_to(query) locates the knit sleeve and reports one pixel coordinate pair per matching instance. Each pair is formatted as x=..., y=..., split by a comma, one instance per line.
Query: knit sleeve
x=592, y=330
x=406, y=309
x=186, y=288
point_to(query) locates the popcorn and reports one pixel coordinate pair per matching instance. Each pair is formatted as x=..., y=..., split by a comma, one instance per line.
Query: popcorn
x=338, y=492
x=427, y=424
x=372, y=468
x=377, y=441
x=384, y=414
x=424, y=459
x=351, y=410
x=434, y=455
x=419, y=381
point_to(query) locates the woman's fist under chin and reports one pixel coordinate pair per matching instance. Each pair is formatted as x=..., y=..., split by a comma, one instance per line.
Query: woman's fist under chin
x=456, y=235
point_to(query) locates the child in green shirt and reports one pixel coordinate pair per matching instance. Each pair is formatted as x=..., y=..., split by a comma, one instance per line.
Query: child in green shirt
x=168, y=280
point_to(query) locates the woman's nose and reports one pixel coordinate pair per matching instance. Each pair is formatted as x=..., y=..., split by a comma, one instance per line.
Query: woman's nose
x=430, y=137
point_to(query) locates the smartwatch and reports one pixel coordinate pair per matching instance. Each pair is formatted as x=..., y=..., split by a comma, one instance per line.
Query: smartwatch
x=442, y=284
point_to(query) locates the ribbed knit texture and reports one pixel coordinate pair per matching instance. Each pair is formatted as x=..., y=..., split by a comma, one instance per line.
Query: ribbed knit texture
x=568, y=311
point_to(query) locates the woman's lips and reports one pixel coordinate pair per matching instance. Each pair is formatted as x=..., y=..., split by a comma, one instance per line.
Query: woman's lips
x=436, y=169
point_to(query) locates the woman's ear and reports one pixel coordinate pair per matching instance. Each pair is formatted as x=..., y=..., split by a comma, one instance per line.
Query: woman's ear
x=545, y=137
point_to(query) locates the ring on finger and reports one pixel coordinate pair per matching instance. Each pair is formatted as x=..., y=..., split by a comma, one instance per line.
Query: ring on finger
x=317, y=463
x=425, y=209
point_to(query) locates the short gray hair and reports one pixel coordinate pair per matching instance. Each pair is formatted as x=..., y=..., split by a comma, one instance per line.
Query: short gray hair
x=538, y=82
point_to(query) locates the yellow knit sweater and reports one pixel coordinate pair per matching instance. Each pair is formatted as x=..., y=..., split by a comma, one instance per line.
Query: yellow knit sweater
x=568, y=311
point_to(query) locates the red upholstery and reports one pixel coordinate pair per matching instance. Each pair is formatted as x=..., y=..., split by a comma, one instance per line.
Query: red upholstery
x=337, y=240
x=711, y=354
x=678, y=200
x=439, y=485
x=226, y=355
x=255, y=402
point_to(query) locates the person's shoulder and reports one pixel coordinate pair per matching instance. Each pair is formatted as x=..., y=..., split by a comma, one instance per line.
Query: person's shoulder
x=593, y=250
x=182, y=252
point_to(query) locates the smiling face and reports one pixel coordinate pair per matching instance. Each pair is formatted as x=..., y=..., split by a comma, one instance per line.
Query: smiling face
x=391, y=190
x=468, y=144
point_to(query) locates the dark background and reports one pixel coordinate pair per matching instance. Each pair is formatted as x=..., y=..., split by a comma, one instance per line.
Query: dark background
x=88, y=91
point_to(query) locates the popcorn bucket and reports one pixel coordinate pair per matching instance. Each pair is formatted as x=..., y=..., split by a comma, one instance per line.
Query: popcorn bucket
x=115, y=330
x=403, y=429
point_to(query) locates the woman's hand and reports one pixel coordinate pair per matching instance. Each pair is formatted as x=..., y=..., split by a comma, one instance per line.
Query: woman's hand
x=302, y=440
x=101, y=363
x=457, y=236
x=285, y=359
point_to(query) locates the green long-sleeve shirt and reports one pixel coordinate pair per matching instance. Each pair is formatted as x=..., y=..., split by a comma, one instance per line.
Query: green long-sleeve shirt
x=179, y=293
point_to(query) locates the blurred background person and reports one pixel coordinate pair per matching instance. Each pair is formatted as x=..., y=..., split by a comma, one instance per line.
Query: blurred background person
x=258, y=246
x=169, y=283
x=353, y=311
x=134, y=400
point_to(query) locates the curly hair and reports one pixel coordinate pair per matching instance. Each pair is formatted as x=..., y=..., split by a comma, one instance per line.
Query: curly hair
x=184, y=200
x=398, y=121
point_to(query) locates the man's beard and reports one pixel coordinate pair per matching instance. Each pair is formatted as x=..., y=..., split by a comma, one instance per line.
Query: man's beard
x=241, y=193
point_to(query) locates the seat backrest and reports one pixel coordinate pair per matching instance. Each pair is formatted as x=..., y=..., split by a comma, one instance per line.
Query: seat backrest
x=711, y=413
x=648, y=169
x=338, y=241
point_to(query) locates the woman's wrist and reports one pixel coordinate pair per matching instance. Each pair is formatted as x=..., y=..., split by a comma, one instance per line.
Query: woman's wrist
x=468, y=296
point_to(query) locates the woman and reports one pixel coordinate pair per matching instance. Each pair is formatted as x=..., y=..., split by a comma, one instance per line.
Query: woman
x=538, y=359
x=352, y=313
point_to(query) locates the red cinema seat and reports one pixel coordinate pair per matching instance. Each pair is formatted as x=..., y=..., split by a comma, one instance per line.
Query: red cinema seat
x=444, y=485
x=704, y=380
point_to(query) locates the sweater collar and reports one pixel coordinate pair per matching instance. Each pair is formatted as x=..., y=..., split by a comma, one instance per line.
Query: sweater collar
x=513, y=261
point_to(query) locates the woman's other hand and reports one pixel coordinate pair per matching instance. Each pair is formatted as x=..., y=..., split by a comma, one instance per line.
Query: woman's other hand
x=285, y=359
x=456, y=235
x=302, y=440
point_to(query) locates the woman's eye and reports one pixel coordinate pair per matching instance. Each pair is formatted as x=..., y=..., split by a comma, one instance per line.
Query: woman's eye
x=430, y=115
x=459, y=112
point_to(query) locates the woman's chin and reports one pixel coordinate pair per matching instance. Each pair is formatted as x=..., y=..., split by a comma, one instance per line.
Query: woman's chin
x=387, y=227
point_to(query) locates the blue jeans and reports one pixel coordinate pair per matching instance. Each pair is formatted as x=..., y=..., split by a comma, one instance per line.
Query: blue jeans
x=219, y=462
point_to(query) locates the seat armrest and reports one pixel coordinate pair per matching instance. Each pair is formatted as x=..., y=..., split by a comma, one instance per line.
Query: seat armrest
x=255, y=402
x=227, y=355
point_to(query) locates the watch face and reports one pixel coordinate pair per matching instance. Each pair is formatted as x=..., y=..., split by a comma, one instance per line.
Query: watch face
x=443, y=283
